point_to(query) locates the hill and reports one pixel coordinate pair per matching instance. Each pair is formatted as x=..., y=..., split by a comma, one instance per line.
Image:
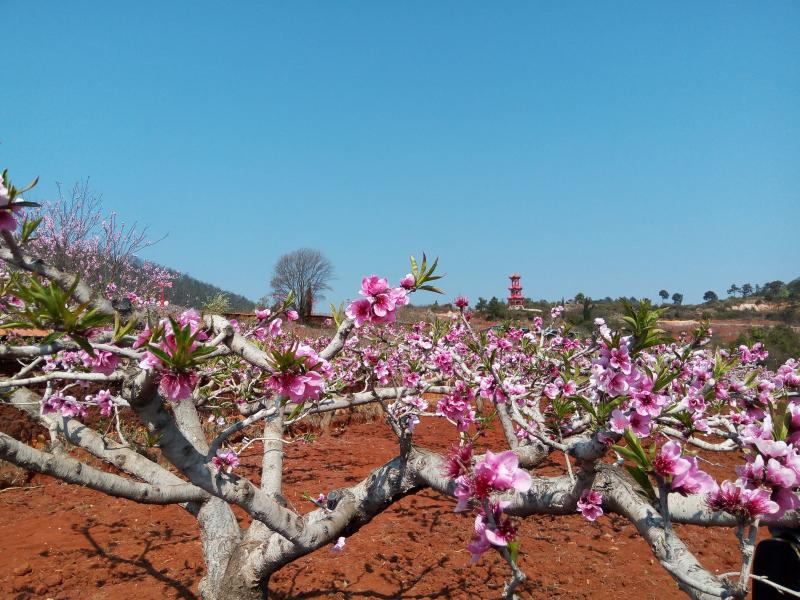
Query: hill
x=188, y=291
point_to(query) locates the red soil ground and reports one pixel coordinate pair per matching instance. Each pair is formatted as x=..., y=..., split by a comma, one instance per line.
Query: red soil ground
x=65, y=542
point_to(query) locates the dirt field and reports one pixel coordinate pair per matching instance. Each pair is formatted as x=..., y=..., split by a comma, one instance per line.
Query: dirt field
x=64, y=542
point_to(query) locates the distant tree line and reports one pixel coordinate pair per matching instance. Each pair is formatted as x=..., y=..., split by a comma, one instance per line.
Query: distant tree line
x=772, y=290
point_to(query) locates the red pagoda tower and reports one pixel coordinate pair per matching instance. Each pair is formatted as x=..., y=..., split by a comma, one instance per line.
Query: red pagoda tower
x=515, y=297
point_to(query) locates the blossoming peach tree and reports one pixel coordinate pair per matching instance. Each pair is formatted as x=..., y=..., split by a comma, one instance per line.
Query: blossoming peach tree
x=627, y=410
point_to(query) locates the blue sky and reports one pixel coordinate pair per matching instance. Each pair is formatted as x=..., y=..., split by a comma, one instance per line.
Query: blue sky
x=611, y=148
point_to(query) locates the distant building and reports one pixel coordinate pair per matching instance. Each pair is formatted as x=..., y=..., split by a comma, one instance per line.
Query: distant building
x=515, y=297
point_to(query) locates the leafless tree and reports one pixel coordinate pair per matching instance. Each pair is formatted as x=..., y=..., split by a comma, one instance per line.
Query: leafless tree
x=305, y=273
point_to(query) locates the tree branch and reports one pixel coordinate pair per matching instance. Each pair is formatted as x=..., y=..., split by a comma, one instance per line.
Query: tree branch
x=74, y=471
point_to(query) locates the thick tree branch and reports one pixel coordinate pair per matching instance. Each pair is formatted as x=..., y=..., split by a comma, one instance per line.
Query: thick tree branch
x=16, y=256
x=74, y=471
x=84, y=437
x=621, y=496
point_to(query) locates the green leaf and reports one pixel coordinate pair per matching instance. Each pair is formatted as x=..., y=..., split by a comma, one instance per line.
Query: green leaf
x=25, y=204
x=513, y=550
x=15, y=324
x=30, y=186
x=296, y=411
x=665, y=377
x=778, y=412
x=83, y=343
x=430, y=288
x=642, y=479
x=28, y=227
x=636, y=446
x=585, y=404
x=49, y=339
x=627, y=453
x=165, y=358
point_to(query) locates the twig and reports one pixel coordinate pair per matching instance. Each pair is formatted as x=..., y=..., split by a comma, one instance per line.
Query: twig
x=32, y=487
x=766, y=581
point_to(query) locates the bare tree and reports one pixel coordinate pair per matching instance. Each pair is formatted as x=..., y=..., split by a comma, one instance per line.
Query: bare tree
x=305, y=273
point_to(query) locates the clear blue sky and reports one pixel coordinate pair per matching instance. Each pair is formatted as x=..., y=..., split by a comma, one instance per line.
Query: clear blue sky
x=612, y=148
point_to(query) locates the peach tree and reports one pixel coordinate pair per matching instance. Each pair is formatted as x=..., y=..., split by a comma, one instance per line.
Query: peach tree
x=626, y=411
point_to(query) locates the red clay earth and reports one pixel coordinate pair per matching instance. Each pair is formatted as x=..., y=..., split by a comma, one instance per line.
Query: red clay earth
x=61, y=541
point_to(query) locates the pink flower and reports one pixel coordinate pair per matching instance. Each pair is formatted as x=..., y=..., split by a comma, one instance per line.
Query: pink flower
x=647, y=404
x=501, y=472
x=411, y=379
x=103, y=400
x=275, y=327
x=142, y=338
x=379, y=302
x=693, y=480
x=552, y=391
x=177, y=386
x=780, y=476
x=618, y=384
x=485, y=537
x=339, y=545
x=360, y=311
x=739, y=500
x=464, y=492
x=72, y=408
x=619, y=422
x=458, y=461
x=668, y=461
x=408, y=282
x=53, y=403
x=226, y=460
x=590, y=505
x=373, y=285
x=461, y=302
x=13, y=301
x=786, y=499
x=102, y=362
x=444, y=361
x=382, y=305
x=263, y=314
x=687, y=478
x=479, y=543
x=620, y=359
x=640, y=424
x=752, y=471
x=292, y=315
x=772, y=448
x=8, y=221
x=458, y=409
x=298, y=387
x=150, y=362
